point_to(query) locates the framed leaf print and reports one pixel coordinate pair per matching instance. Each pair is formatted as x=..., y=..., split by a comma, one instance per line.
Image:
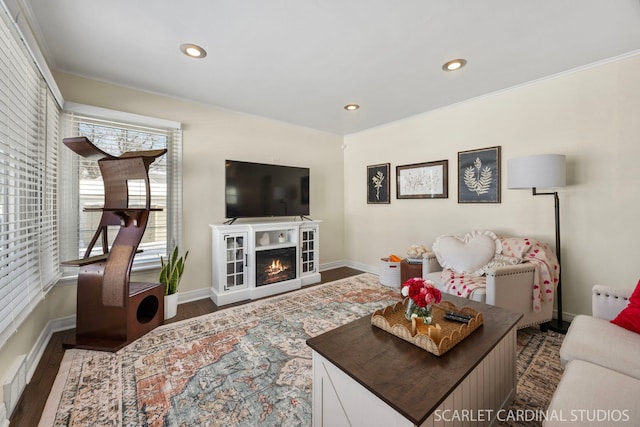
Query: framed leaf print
x=422, y=180
x=479, y=176
x=378, y=183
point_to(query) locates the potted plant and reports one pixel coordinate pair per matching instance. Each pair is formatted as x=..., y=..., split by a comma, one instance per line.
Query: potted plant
x=170, y=276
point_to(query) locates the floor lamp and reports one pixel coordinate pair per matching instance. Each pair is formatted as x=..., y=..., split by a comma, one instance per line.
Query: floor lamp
x=543, y=171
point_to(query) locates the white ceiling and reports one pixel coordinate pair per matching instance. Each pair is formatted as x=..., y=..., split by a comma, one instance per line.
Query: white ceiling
x=301, y=61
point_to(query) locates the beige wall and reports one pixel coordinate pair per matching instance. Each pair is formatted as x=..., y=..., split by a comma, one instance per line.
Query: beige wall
x=592, y=116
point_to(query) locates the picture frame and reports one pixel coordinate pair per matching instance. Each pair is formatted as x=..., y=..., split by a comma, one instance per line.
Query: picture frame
x=378, y=187
x=479, y=175
x=427, y=180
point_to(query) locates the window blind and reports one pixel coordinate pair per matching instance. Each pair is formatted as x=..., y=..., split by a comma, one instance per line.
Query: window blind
x=49, y=254
x=86, y=187
x=28, y=187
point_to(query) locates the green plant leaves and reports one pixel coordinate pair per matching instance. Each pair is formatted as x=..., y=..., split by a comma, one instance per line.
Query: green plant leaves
x=171, y=271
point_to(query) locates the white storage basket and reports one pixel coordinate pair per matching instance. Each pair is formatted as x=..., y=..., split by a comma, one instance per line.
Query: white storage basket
x=389, y=273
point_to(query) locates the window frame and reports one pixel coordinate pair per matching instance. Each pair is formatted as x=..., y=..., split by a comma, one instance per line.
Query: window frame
x=70, y=207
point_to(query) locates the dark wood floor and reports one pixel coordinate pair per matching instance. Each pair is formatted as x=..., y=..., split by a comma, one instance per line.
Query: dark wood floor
x=32, y=402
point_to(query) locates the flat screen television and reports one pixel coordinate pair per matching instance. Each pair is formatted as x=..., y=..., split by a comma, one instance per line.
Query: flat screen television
x=254, y=190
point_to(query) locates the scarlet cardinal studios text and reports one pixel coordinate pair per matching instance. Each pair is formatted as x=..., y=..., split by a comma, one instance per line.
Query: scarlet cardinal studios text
x=521, y=415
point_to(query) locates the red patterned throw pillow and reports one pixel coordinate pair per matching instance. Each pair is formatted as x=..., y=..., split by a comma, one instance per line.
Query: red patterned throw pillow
x=629, y=318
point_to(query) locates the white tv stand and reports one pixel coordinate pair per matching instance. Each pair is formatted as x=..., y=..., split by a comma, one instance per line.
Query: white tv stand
x=236, y=250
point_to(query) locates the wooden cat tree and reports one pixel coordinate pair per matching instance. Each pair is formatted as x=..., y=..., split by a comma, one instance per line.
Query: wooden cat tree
x=112, y=311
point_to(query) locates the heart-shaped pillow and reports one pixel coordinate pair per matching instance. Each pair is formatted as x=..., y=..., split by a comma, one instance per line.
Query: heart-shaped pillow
x=468, y=254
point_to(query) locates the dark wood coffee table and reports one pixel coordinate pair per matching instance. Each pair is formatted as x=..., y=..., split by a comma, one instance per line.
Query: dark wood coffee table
x=364, y=376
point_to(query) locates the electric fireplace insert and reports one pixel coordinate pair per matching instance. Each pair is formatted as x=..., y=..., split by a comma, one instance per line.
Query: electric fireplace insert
x=275, y=265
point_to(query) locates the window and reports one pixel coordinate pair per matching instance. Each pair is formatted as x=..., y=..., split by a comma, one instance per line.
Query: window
x=40, y=215
x=28, y=182
x=83, y=185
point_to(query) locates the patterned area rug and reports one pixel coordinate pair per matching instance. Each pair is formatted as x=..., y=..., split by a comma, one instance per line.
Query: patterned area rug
x=247, y=365
x=539, y=373
x=244, y=366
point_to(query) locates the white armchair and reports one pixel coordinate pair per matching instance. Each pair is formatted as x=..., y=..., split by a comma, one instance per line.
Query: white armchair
x=510, y=272
x=508, y=286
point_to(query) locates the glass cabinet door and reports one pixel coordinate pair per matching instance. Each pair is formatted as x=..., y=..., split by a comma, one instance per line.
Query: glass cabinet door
x=307, y=250
x=235, y=261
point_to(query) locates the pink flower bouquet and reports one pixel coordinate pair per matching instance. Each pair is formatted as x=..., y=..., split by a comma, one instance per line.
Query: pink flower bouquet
x=422, y=292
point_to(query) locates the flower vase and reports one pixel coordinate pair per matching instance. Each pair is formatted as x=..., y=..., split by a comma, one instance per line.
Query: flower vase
x=414, y=310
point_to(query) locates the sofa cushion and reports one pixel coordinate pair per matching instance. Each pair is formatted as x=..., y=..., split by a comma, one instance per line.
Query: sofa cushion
x=591, y=395
x=629, y=318
x=602, y=343
x=468, y=254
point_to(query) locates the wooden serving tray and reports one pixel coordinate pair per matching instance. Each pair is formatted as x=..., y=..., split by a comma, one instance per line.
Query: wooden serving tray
x=438, y=337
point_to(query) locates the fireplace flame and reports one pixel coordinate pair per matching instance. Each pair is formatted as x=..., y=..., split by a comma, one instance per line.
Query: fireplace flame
x=275, y=267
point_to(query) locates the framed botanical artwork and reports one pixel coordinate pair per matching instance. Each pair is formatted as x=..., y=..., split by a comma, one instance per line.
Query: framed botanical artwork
x=479, y=176
x=378, y=183
x=423, y=180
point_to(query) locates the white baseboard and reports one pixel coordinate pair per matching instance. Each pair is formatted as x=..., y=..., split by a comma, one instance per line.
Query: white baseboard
x=53, y=326
x=332, y=265
x=351, y=264
x=4, y=421
x=364, y=267
x=196, y=295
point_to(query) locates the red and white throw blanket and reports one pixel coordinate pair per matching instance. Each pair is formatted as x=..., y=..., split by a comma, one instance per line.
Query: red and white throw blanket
x=529, y=250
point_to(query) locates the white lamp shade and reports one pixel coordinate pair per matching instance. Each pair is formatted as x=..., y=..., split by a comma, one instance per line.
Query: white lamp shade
x=541, y=171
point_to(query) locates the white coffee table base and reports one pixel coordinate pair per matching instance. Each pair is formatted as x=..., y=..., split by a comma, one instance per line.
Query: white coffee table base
x=480, y=399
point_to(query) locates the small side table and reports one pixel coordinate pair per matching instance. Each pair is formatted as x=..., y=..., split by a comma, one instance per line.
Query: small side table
x=409, y=271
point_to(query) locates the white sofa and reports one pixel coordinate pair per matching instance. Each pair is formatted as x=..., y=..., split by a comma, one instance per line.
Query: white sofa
x=507, y=286
x=601, y=381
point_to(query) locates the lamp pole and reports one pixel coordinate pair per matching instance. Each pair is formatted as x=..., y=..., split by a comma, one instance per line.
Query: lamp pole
x=559, y=325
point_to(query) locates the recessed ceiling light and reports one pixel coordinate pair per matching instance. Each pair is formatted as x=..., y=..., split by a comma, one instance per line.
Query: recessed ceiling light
x=454, y=64
x=351, y=107
x=193, y=50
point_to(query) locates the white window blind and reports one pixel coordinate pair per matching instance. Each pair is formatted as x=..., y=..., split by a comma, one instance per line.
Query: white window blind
x=84, y=187
x=49, y=254
x=28, y=182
